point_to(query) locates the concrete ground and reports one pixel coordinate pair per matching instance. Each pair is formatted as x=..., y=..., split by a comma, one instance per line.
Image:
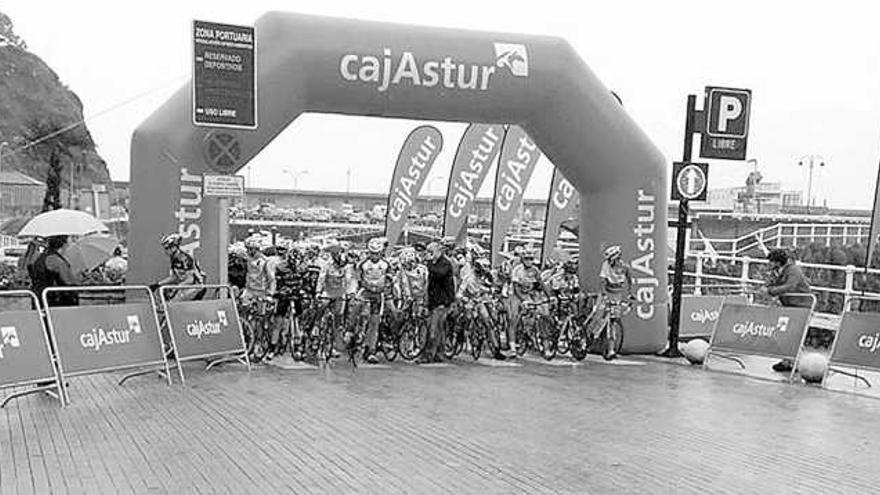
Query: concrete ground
x=639, y=425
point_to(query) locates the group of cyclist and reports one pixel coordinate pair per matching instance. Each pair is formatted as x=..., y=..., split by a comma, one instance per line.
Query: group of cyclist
x=380, y=279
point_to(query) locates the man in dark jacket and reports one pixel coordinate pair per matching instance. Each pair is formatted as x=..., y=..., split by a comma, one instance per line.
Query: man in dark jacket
x=791, y=286
x=52, y=269
x=441, y=295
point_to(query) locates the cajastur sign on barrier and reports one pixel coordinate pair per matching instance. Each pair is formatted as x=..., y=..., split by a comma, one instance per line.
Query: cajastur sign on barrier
x=204, y=328
x=857, y=343
x=771, y=331
x=699, y=314
x=91, y=339
x=25, y=354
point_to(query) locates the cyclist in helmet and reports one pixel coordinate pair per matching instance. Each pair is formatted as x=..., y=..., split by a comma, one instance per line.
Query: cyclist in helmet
x=526, y=286
x=565, y=282
x=184, y=268
x=615, y=276
x=412, y=279
x=374, y=274
x=259, y=282
x=290, y=275
x=336, y=282
x=476, y=284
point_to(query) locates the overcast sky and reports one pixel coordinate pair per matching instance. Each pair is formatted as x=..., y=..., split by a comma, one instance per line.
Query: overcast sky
x=813, y=67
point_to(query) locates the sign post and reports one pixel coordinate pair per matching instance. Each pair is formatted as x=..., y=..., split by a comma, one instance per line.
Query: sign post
x=692, y=121
x=224, y=95
x=724, y=126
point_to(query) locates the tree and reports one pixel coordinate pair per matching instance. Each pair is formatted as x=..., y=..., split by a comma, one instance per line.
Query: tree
x=52, y=200
x=7, y=33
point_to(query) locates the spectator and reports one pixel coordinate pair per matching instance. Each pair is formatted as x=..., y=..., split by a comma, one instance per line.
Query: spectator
x=51, y=269
x=441, y=295
x=788, y=283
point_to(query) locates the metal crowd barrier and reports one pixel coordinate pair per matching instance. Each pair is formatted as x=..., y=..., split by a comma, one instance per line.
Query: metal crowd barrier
x=106, y=337
x=27, y=359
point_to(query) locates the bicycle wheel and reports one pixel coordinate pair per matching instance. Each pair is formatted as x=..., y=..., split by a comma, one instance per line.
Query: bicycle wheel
x=523, y=342
x=546, y=337
x=409, y=345
x=613, y=339
x=263, y=339
x=388, y=340
x=325, y=328
x=563, y=342
x=247, y=331
x=452, y=344
x=476, y=337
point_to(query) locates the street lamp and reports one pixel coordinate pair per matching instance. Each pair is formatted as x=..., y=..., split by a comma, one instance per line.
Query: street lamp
x=294, y=174
x=811, y=161
x=2, y=145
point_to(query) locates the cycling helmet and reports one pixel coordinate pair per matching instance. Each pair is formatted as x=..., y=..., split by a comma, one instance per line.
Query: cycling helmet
x=170, y=240
x=375, y=246
x=612, y=252
x=252, y=243
x=408, y=255
x=518, y=251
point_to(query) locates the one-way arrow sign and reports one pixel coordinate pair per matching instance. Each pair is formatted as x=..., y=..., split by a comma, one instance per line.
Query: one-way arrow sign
x=690, y=181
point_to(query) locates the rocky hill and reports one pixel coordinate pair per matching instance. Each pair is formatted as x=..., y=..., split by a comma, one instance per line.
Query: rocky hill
x=40, y=116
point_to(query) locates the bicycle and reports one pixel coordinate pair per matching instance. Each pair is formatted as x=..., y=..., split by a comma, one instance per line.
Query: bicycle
x=413, y=332
x=564, y=329
x=256, y=324
x=476, y=328
x=532, y=329
x=605, y=327
x=326, y=326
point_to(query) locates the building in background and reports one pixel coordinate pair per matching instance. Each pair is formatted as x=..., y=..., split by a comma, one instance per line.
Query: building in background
x=762, y=197
x=20, y=195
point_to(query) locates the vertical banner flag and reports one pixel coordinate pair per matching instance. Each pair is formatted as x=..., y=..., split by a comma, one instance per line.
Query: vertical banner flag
x=413, y=165
x=875, y=224
x=477, y=150
x=563, y=205
x=519, y=155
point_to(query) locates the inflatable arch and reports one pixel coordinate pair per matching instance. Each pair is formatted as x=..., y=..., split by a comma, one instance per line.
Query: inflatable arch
x=317, y=64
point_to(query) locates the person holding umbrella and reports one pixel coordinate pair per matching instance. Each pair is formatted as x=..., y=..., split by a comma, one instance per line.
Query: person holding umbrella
x=51, y=269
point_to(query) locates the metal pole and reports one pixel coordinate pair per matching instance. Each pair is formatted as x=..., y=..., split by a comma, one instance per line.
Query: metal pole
x=810, y=186
x=2, y=145
x=683, y=210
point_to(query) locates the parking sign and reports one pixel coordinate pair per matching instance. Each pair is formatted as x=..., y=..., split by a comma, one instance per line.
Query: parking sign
x=727, y=123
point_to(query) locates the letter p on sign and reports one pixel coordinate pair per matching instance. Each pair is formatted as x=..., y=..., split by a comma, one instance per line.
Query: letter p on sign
x=728, y=112
x=726, y=131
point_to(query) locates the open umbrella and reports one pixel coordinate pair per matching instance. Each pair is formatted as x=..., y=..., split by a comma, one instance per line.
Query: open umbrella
x=90, y=252
x=62, y=222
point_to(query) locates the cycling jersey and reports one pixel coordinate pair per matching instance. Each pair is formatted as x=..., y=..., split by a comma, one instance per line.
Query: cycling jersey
x=335, y=281
x=374, y=275
x=615, y=279
x=471, y=284
x=563, y=283
x=258, y=280
x=525, y=280
x=413, y=282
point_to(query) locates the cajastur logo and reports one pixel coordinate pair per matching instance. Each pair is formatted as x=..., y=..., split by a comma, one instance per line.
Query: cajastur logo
x=514, y=57
x=8, y=338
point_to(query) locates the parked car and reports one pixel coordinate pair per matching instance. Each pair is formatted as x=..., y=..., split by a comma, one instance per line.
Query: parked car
x=10, y=255
x=357, y=217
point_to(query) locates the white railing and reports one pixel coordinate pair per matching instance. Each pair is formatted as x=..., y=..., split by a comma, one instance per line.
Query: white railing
x=786, y=235
x=8, y=240
x=703, y=280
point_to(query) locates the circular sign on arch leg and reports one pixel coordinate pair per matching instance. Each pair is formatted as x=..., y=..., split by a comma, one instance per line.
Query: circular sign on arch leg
x=690, y=181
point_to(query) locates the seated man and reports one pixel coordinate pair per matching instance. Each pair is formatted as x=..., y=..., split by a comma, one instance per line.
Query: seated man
x=788, y=283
